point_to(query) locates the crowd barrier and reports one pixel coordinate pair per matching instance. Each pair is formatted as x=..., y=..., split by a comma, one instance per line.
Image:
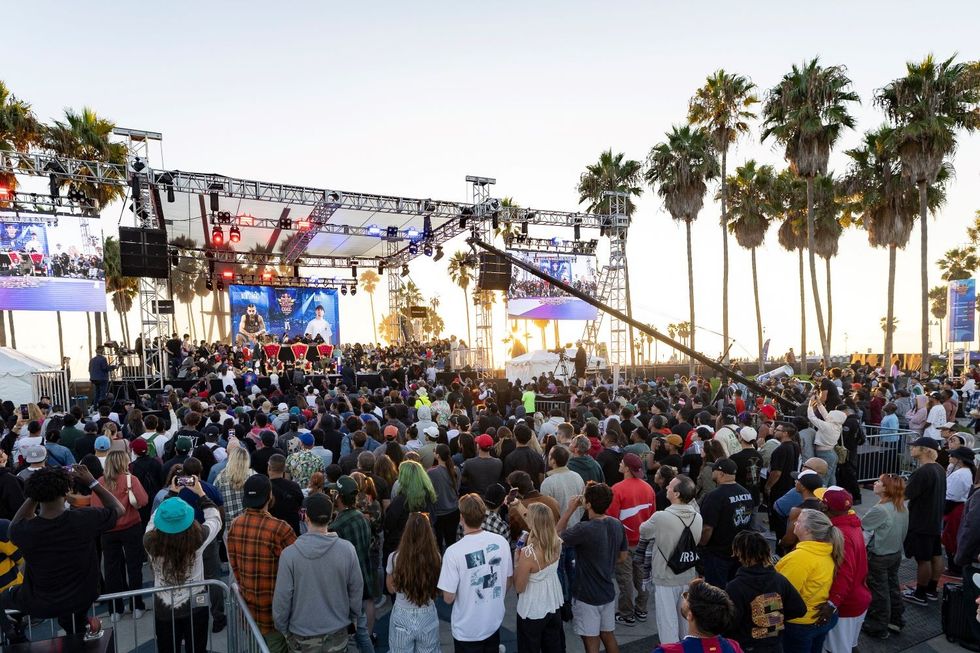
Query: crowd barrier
x=130, y=635
x=884, y=453
x=545, y=405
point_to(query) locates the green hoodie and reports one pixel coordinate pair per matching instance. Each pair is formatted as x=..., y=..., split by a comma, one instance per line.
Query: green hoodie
x=587, y=468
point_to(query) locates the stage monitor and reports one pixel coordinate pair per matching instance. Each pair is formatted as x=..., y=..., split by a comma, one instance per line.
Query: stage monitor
x=51, y=263
x=290, y=311
x=530, y=298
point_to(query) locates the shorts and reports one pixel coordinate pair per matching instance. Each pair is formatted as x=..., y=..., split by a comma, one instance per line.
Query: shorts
x=923, y=547
x=589, y=620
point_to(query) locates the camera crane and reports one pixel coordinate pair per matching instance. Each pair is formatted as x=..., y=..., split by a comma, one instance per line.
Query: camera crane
x=788, y=406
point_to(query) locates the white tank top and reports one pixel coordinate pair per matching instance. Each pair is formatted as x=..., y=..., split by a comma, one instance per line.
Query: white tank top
x=543, y=595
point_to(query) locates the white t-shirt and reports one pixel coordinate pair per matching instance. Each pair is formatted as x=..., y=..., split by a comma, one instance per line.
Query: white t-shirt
x=319, y=327
x=958, y=484
x=936, y=416
x=476, y=570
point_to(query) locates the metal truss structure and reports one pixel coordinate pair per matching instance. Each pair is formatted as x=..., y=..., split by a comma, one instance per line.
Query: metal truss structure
x=479, y=217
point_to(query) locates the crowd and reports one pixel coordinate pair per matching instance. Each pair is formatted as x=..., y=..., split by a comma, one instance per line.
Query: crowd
x=732, y=521
x=531, y=287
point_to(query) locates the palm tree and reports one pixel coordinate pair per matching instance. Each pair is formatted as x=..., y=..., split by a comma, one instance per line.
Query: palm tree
x=889, y=331
x=789, y=200
x=927, y=106
x=751, y=193
x=19, y=129
x=461, y=273
x=542, y=325
x=806, y=113
x=369, y=283
x=723, y=106
x=958, y=263
x=937, y=307
x=681, y=168
x=612, y=173
x=124, y=289
x=826, y=234
x=183, y=277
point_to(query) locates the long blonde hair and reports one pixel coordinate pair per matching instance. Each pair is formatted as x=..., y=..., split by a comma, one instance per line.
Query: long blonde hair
x=822, y=530
x=237, y=469
x=116, y=465
x=543, y=534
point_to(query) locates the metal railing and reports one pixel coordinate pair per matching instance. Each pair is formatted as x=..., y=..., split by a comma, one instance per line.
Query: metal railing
x=884, y=453
x=545, y=406
x=131, y=634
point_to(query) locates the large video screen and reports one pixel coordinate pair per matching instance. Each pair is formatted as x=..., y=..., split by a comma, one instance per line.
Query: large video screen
x=290, y=311
x=49, y=264
x=529, y=298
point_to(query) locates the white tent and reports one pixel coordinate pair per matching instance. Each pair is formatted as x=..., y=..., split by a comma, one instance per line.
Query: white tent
x=538, y=363
x=17, y=371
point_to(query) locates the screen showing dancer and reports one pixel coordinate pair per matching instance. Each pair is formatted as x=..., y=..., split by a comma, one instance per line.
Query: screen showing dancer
x=295, y=312
x=531, y=298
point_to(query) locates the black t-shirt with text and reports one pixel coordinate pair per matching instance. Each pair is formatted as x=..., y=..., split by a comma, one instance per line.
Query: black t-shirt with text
x=749, y=472
x=728, y=510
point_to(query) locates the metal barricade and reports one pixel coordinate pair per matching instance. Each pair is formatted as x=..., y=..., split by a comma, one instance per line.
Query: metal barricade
x=545, y=404
x=131, y=635
x=884, y=453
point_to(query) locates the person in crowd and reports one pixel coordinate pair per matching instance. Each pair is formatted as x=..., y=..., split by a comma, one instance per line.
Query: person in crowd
x=748, y=463
x=828, y=425
x=709, y=612
x=885, y=526
x=478, y=608
x=318, y=586
x=849, y=593
x=149, y=472
x=807, y=484
x=582, y=463
x=287, y=494
x=714, y=451
x=231, y=481
x=540, y=597
x=523, y=495
x=561, y=483
x=443, y=477
x=726, y=510
x=412, y=574
x=668, y=555
x=497, y=519
x=918, y=414
x=479, y=473
x=301, y=464
x=810, y=567
x=175, y=543
x=935, y=417
x=524, y=458
x=600, y=543
x=255, y=543
x=763, y=598
x=611, y=455
x=35, y=456
x=11, y=489
x=414, y=494
x=61, y=561
x=122, y=546
x=926, y=495
x=959, y=483
x=633, y=503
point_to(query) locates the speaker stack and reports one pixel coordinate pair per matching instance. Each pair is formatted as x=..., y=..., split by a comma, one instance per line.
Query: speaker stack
x=495, y=272
x=143, y=253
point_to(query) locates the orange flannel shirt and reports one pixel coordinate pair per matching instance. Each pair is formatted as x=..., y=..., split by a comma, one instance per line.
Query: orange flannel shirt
x=256, y=539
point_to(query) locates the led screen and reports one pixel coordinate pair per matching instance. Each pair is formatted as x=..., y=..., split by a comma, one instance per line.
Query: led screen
x=530, y=298
x=289, y=311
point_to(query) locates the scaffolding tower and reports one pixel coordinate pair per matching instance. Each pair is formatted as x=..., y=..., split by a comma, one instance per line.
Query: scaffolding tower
x=484, y=208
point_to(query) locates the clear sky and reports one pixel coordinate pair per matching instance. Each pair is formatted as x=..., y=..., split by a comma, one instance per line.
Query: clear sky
x=408, y=98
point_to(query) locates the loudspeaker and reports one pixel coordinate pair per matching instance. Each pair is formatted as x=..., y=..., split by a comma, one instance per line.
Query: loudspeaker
x=143, y=253
x=495, y=272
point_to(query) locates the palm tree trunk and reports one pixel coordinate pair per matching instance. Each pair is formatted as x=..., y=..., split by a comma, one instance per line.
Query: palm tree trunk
x=374, y=321
x=3, y=328
x=802, y=317
x=890, y=311
x=61, y=337
x=557, y=341
x=924, y=274
x=105, y=325
x=466, y=308
x=88, y=323
x=758, y=310
x=813, y=273
x=13, y=331
x=690, y=296
x=98, y=330
x=190, y=321
x=203, y=329
x=544, y=337
x=122, y=328
x=830, y=308
x=724, y=255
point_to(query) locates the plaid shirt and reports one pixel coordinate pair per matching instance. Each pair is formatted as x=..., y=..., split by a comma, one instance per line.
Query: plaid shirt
x=353, y=526
x=301, y=466
x=234, y=499
x=492, y=523
x=256, y=539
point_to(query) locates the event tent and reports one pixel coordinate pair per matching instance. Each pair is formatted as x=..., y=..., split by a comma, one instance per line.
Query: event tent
x=16, y=375
x=540, y=362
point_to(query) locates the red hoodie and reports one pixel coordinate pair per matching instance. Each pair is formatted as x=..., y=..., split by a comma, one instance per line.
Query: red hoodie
x=633, y=503
x=850, y=590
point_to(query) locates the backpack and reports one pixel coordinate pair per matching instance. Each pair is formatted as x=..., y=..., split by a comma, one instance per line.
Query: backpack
x=685, y=554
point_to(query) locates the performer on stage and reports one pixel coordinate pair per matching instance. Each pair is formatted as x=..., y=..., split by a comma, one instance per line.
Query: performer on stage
x=251, y=326
x=319, y=327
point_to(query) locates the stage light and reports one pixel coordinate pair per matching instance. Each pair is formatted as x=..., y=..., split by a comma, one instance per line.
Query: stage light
x=266, y=276
x=427, y=250
x=412, y=233
x=343, y=290
x=428, y=206
x=167, y=179
x=54, y=168
x=413, y=248
x=494, y=220
x=577, y=232
x=392, y=232
x=334, y=196
x=234, y=235
x=221, y=285
x=209, y=284
x=138, y=164
x=427, y=227
x=217, y=237
x=228, y=274
x=285, y=223
x=524, y=228
x=353, y=271
x=374, y=230
x=405, y=270
x=439, y=253
x=353, y=290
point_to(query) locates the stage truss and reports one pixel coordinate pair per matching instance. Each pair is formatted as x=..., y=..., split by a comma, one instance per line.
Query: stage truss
x=325, y=228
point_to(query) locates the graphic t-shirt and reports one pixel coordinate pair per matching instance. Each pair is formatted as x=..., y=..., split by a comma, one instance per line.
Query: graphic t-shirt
x=633, y=502
x=476, y=570
x=728, y=510
x=597, y=543
x=748, y=475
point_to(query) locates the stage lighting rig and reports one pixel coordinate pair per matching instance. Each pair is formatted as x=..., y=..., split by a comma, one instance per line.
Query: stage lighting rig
x=209, y=253
x=234, y=234
x=413, y=248
x=439, y=253
x=353, y=290
x=412, y=233
x=174, y=258
x=343, y=290
x=54, y=168
x=209, y=284
x=464, y=213
x=427, y=249
x=404, y=269
x=217, y=236
x=374, y=230
x=353, y=270
x=223, y=217
x=381, y=267
x=167, y=180
x=220, y=285
x=285, y=223
x=138, y=165
x=213, y=187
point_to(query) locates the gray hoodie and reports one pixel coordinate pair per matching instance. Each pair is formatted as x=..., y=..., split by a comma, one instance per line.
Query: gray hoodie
x=308, y=599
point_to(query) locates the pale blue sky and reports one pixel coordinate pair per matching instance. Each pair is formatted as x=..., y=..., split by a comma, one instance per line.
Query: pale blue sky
x=408, y=98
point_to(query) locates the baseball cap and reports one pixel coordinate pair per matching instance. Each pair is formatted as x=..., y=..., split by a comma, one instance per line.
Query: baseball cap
x=748, y=434
x=768, y=410
x=948, y=425
x=268, y=438
x=102, y=443
x=35, y=454
x=634, y=464
x=810, y=480
x=174, y=515
x=926, y=441
x=484, y=441
x=282, y=407
x=391, y=432
x=319, y=507
x=963, y=453
x=345, y=485
x=495, y=495
x=675, y=440
x=306, y=438
x=139, y=446
x=725, y=466
x=256, y=491
x=431, y=432
x=837, y=499
x=183, y=444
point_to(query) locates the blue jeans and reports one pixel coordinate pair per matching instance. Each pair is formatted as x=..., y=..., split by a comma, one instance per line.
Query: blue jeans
x=101, y=390
x=717, y=570
x=566, y=571
x=831, y=457
x=361, y=635
x=807, y=638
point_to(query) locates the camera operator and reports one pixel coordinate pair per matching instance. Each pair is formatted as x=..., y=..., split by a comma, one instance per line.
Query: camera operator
x=61, y=577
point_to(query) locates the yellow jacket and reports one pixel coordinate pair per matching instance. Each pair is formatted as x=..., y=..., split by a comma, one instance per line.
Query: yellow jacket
x=810, y=568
